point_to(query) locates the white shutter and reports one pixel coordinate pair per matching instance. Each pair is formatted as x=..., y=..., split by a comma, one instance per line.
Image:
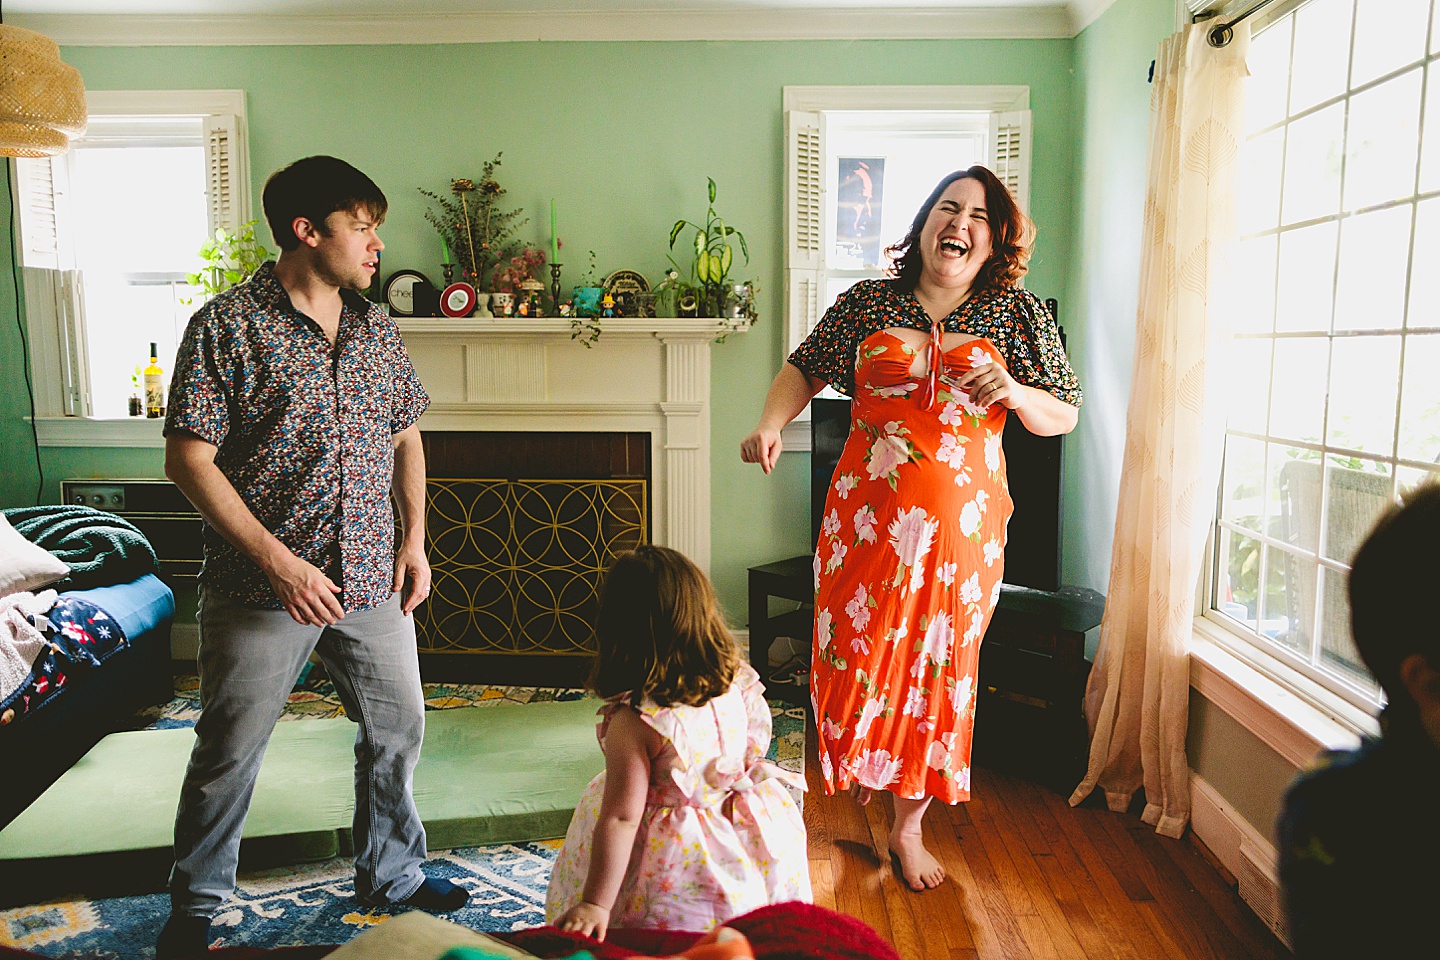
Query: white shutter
x=805, y=189
x=44, y=195
x=1010, y=133
x=804, y=223
x=803, y=306
x=227, y=176
x=54, y=314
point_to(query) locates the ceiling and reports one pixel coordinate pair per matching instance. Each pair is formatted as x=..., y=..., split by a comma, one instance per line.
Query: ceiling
x=136, y=22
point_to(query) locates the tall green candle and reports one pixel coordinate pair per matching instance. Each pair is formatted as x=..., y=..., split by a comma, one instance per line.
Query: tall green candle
x=554, y=235
x=444, y=252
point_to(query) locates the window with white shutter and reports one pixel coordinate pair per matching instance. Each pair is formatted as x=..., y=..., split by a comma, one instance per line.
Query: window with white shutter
x=911, y=137
x=173, y=166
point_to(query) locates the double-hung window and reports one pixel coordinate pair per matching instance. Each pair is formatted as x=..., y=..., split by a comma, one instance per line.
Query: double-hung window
x=1334, y=387
x=109, y=231
x=861, y=160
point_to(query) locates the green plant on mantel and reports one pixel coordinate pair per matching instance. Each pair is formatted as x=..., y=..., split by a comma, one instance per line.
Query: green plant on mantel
x=713, y=254
x=229, y=259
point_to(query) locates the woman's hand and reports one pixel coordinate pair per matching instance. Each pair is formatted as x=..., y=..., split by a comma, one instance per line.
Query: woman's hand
x=763, y=446
x=991, y=383
x=585, y=918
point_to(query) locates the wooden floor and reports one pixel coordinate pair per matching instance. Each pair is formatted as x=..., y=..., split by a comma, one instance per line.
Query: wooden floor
x=1030, y=876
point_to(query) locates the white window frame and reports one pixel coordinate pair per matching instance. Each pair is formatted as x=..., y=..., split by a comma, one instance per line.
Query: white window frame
x=51, y=285
x=1289, y=710
x=803, y=113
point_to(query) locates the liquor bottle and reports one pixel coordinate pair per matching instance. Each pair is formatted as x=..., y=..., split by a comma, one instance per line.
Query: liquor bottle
x=154, y=386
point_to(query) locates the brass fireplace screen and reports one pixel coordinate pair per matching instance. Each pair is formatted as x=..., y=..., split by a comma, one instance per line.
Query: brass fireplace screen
x=517, y=563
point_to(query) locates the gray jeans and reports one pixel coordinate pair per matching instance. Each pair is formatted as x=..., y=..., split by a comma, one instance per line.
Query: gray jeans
x=249, y=659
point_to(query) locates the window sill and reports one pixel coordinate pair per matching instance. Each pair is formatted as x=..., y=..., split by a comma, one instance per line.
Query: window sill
x=94, y=432
x=1293, y=726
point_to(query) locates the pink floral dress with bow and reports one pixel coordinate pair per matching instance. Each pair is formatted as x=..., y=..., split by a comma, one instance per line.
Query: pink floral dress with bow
x=721, y=835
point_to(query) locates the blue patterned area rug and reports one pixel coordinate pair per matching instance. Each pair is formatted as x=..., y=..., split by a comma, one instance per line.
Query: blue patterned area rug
x=314, y=903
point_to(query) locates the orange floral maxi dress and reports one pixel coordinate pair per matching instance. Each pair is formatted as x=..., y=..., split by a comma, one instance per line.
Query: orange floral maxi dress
x=907, y=572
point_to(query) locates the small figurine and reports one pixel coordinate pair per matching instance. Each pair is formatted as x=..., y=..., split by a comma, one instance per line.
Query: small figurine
x=607, y=305
x=524, y=308
x=565, y=309
x=536, y=310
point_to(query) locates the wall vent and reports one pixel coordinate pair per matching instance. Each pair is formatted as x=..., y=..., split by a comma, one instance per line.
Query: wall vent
x=1260, y=889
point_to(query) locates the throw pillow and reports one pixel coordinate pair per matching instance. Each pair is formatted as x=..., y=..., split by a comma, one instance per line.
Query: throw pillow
x=24, y=566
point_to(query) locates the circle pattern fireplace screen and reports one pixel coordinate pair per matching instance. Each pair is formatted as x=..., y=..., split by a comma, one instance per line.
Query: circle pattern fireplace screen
x=517, y=563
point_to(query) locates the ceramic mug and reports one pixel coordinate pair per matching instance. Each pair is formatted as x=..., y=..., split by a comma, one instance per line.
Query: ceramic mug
x=502, y=304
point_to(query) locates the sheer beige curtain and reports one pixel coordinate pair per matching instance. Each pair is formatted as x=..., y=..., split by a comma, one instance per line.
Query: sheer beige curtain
x=1136, y=702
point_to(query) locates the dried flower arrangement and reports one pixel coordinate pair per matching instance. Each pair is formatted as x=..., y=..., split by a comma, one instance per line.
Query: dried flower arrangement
x=470, y=221
x=523, y=266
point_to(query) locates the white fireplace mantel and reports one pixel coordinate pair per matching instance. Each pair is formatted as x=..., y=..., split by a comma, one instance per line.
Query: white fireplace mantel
x=648, y=375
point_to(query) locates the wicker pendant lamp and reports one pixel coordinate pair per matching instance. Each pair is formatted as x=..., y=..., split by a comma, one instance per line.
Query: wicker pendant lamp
x=42, y=99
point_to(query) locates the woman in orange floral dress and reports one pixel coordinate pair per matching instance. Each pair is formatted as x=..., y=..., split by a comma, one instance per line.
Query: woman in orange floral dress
x=911, y=551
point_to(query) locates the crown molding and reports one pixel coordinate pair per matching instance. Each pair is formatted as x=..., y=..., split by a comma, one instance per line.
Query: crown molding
x=1085, y=12
x=911, y=23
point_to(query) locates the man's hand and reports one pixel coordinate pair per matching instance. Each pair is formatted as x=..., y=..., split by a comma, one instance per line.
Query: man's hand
x=304, y=591
x=585, y=918
x=411, y=565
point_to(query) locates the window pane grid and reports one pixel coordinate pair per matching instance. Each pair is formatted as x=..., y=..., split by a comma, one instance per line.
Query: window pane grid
x=1343, y=429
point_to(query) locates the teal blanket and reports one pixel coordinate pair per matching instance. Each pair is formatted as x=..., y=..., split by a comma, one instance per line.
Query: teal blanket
x=99, y=548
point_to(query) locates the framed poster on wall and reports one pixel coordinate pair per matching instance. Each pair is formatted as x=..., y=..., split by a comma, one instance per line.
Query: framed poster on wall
x=858, y=202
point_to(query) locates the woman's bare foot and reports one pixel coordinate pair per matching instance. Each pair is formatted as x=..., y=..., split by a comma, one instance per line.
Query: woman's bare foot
x=919, y=868
x=859, y=794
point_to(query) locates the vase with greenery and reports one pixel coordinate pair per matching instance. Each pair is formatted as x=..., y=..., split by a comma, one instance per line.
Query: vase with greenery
x=586, y=295
x=478, y=232
x=229, y=259
x=714, y=255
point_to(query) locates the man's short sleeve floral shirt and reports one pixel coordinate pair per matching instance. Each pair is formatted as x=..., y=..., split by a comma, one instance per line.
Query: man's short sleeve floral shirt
x=304, y=431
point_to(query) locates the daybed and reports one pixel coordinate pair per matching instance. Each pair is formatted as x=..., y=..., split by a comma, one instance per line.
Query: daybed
x=107, y=641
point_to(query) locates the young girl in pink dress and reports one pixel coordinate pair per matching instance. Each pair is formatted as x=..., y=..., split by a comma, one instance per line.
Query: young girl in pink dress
x=688, y=825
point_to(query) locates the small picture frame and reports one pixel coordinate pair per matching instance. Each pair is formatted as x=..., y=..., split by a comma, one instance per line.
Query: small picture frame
x=400, y=291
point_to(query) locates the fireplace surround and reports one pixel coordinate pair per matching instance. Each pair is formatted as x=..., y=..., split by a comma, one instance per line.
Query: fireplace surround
x=646, y=379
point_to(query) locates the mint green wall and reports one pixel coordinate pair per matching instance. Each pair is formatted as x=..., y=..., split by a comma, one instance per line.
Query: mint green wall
x=1112, y=108
x=623, y=135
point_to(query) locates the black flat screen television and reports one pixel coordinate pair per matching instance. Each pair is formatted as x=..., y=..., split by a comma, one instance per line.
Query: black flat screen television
x=1032, y=466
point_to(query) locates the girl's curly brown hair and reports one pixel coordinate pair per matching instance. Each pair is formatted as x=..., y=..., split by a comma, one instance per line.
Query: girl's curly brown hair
x=659, y=633
x=1012, y=235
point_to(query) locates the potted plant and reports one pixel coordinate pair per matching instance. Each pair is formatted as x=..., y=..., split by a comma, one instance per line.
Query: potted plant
x=229, y=259
x=587, y=293
x=480, y=235
x=713, y=256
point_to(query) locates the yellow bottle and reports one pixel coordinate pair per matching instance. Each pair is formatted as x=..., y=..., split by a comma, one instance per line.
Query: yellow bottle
x=154, y=386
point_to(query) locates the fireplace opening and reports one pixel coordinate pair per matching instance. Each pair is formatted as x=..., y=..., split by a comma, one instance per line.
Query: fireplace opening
x=520, y=527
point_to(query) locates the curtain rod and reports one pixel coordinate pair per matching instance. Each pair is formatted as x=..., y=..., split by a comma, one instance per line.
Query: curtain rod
x=1222, y=34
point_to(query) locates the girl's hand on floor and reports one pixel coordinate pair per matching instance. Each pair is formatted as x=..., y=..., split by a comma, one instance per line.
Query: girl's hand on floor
x=585, y=918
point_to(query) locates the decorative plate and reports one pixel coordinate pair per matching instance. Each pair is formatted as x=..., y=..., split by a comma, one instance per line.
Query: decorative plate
x=625, y=286
x=400, y=291
x=458, y=300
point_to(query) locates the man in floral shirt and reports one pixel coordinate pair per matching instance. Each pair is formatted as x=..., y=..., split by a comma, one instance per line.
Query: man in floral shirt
x=293, y=416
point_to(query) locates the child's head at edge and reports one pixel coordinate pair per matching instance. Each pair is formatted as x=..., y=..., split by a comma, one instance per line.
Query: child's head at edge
x=1393, y=583
x=659, y=634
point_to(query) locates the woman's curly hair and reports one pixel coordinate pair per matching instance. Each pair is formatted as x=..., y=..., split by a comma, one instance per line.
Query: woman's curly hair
x=1012, y=235
x=660, y=635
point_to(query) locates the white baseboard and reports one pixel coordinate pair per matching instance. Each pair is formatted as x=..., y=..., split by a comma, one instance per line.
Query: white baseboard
x=1249, y=856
